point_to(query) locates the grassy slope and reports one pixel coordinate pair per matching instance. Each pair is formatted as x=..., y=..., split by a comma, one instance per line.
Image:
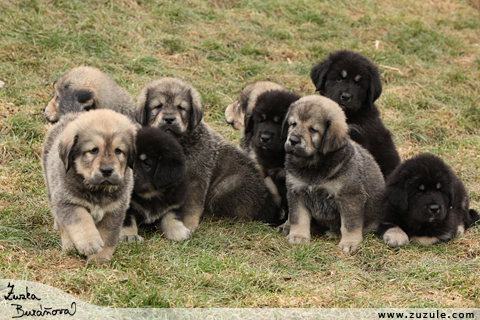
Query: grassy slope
x=428, y=53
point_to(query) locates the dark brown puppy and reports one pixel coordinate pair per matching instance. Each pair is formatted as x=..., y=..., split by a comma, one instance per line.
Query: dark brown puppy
x=160, y=182
x=425, y=203
x=264, y=127
x=87, y=88
x=222, y=181
x=353, y=81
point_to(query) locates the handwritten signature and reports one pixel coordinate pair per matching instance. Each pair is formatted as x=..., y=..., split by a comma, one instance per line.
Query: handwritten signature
x=39, y=312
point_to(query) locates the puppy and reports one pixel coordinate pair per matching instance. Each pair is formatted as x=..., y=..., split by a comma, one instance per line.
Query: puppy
x=160, y=182
x=86, y=88
x=353, y=81
x=329, y=177
x=239, y=110
x=264, y=128
x=425, y=203
x=87, y=160
x=222, y=181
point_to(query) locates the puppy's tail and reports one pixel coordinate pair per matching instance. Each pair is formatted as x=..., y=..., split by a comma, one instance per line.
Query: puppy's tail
x=471, y=218
x=270, y=212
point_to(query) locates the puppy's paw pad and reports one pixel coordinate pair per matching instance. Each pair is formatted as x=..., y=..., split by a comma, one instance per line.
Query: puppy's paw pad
x=395, y=237
x=293, y=239
x=332, y=234
x=283, y=229
x=135, y=238
x=349, y=246
x=98, y=258
x=90, y=247
x=178, y=233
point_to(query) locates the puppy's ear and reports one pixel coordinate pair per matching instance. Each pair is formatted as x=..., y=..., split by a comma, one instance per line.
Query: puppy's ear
x=248, y=123
x=132, y=154
x=375, y=87
x=196, y=112
x=285, y=125
x=451, y=196
x=318, y=74
x=86, y=99
x=170, y=169
x=141, y=113
x=398, y=197
x=67, y=150
x=334, y=137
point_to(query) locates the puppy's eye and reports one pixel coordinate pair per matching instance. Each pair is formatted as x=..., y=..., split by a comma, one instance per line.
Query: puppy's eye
x=94, y=151
x=339, y=79
x=179, y=107
x=293, y=124
x=261, y=120
x=357, y=84
x=312, y=130
x=159, y=106
x=118, y=152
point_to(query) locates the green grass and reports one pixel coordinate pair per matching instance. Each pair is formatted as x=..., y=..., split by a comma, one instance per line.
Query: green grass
x=428, y=55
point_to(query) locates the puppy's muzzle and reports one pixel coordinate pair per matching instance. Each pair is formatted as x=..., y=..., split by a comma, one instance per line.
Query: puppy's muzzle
x=106, y=171
x=433, y=208
x=265, y=137
x=345, y=97
x=294, y=140
x=169, y=119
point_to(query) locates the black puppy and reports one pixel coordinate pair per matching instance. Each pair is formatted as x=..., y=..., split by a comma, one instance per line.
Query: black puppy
x=264, y=127
x=160, y=181
x=425, y=203
x=353, y=81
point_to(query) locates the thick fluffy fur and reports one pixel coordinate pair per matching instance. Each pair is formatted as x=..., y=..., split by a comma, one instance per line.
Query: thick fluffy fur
x=86, y=88
x=329, y=177
x=353, y=81
x=86, y=159
x=222, y=181
x=264, y=128
x=239, y=110
x=425, y=203
x=160, y=181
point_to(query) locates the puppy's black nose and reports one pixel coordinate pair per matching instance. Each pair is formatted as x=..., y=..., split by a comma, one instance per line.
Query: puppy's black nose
x=294, y=140
x=265, y=137
x=106, y=171
x=169, y=119
x=345, y=96
x=433, y=208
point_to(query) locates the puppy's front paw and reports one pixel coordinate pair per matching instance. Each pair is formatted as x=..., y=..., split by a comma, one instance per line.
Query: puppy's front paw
x=174, y=229
x=90, y=246
x=395, y=237
x=297, y=239
x=177, y=233
x=348, y=246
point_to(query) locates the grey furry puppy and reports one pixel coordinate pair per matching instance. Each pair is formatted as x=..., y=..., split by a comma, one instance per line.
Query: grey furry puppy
x=87, y=88
x=222, y=181
x=85, y=160
x=329, y=177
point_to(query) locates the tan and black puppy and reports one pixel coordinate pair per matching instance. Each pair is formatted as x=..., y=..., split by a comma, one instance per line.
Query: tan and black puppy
x=330, y=178
x=87, y=88
x=86, y=162
x=239, y=110
x=266, y=142
x=160, y=182
x=222, y=181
